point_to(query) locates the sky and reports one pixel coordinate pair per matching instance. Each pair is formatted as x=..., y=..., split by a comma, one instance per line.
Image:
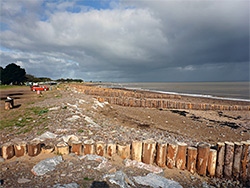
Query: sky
x=127, y=41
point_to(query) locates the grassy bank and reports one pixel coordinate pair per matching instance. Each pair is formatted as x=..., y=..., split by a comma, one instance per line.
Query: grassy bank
x=10, y=86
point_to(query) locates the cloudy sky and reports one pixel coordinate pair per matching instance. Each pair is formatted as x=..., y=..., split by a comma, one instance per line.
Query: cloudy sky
x=127, y=41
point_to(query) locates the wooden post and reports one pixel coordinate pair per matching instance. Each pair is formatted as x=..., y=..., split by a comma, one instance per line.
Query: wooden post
x=89, y=147
x=191, y=159
x=20, y=149
x=211, y=166
x=123, y=150
x=220, y=159
x=62, y=148
x=237, y=158
x=47, y=149
x=7, y=150
x=229, y=154
x=137, y=151
x=171, y=155
x=244, y=160
x=111, y=148
x=100, y=148
x=148, y=152
x=202, y=158
x=180, y=161
x=34, y=148
x=161, y=155
x=76, y=147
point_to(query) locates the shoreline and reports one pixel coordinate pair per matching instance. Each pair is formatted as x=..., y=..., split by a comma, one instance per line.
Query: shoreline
x=206, y=96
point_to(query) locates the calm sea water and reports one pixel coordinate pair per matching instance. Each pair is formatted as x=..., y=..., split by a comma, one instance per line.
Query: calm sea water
x=234, y=90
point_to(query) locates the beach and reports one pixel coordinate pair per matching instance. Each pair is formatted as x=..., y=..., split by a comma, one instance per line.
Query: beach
x=81, y=110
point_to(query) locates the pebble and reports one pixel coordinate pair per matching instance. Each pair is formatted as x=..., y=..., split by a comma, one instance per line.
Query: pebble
x=23, y=180
x=1, y=160
x=4, y=169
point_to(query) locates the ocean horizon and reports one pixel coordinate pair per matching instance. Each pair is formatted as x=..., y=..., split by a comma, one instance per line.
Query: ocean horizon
x=217, y=90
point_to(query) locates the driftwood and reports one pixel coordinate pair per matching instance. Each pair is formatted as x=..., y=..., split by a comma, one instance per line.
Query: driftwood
x=202, y=158
x=7, y=150
x=191, y=159
x=161, y=155
x=229, y=154
x=220, y=159
x=237, y=158
x=20, y=149
x=136, y=151
x=148, y=152
x=171, y=155
x=211, y=165
x=47, y=149
x=180, y=161
x=34, y=148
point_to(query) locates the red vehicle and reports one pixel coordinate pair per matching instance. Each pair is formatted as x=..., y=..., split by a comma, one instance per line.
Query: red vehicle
x=41, y=88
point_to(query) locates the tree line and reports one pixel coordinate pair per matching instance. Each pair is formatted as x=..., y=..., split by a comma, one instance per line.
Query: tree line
x=14, y=74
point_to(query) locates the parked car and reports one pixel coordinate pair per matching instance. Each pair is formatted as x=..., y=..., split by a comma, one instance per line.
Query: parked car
x=41, y=88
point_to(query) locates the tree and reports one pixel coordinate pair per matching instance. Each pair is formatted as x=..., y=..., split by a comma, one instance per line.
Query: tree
x=13, y=74
x=29, y=78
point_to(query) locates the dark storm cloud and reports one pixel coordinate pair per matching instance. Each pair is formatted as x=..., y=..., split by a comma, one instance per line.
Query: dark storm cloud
x=129, y=40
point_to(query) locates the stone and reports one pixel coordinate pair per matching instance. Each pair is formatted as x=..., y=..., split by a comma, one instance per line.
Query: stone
x=54, y=108
x=70, y=138
x=93, y=158
x=69, y=185
x=46, y=165
x=156, y=181
x=119, y=178
x=23, y=180
x=151, y=168
x=73, y=118
x=48, y=135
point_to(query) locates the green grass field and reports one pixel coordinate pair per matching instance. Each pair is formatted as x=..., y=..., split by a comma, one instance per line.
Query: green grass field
x=10, y=86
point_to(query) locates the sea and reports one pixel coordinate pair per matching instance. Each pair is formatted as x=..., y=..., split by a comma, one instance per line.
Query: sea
x=238, y=91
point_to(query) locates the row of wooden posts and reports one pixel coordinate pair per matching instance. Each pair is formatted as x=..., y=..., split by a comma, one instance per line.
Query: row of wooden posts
x=101, y=91
x=228, y=160
x=164, y=103
x=151, y=100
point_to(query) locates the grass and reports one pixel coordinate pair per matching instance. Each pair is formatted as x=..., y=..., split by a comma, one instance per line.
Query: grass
x=10, y=86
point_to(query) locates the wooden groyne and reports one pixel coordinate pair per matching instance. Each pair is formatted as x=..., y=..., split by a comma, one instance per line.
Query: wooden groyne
x=230, y=160
x=151, y=100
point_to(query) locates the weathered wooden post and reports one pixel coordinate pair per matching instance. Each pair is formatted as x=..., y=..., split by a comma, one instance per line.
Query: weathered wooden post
x=7, y=150
x=111, y=148
x=123, y=150
x=148, y=152
x=47, y=149
x=180, y=161
x=191, y=159
x=89, y=147
x=100, y=148
x=244, y=160
x=202, y=158
x=76, y=147
x=229, y=154
x=220, y=159
x=211, y=166
x=62, y=148
x=161, y=155
x=136, y=151
x=171, y=155
x=34, y=148
x=20, y=149
x=237, y=158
